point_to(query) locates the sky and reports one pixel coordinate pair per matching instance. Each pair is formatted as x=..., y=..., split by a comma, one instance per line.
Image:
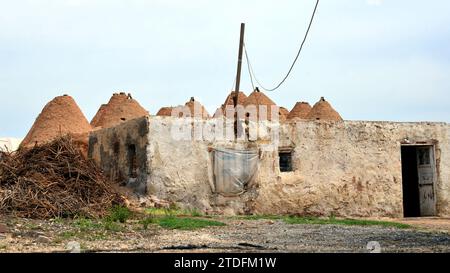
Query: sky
x=371, y=59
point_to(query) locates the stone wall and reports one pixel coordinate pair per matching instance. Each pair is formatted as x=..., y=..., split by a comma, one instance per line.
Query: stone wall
x=350, y=168
x=121, y=152
x=181, y=169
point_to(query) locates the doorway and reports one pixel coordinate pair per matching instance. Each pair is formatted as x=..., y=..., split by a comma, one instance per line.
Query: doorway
x=132, y=161
x=418, y=180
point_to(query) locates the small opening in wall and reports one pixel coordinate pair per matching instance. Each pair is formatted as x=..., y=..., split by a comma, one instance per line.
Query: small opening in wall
x=285, y=161
x=116, y=148
x=132, y=161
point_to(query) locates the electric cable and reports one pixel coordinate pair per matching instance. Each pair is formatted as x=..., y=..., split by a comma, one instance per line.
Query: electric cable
x=252, y=72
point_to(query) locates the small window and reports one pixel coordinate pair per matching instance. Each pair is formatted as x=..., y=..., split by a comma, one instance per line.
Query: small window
x=132, y=161
x=285, y=161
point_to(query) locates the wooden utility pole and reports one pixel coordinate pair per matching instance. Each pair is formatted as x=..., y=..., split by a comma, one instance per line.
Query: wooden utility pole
x=239, y=65
x=238, y=82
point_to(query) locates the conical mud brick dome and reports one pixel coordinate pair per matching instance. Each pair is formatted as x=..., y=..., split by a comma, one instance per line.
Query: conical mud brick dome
x=218, y=113
x=258, y=98
x=121, y=107
x=100, y=112
x=165, y=111
x=59, y=117
x=300, y=110
x=229, y=102
x=322, y=110
x=196, y=109
x=284, y=113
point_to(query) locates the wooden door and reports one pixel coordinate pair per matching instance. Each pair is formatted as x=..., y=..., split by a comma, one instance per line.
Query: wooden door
x=426, y=170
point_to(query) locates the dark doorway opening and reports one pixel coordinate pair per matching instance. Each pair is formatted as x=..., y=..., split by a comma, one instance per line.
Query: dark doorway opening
x=132, y=161
x=410, y=181
x=419, y=178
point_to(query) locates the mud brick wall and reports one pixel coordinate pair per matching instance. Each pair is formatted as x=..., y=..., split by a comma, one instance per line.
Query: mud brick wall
x=350, y=168
x=121, y=152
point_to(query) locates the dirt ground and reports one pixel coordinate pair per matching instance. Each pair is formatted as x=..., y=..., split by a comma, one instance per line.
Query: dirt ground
x=432, y=223
x=239, y=235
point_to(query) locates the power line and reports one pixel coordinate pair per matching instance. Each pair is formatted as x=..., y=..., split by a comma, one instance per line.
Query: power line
x=252, y=72
x=234, y=82
x=249, y=68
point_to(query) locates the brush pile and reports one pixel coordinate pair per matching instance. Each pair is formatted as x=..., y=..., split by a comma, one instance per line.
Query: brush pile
x=54, y=180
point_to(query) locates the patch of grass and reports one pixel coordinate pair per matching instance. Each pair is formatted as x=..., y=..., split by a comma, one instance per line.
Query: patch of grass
x=159, y=211
x=90, y=236
x=91, y=229
x=84, y=224
x=112, y=226
x=67, y=234
x=119, y=214
x=173, y=212
x=194, y=213
x=258, y=217
x=324, y=221
x=346, y=222
x=148, y=221
x=170, y=222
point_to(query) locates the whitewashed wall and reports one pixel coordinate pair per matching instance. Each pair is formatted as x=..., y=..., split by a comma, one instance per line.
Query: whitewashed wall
x=350, y=168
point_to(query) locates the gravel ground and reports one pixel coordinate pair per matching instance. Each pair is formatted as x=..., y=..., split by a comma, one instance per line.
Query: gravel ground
x=25, y=235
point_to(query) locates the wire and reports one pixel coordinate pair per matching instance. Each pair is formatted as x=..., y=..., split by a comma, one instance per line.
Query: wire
x=250, y=68
x=234, y=83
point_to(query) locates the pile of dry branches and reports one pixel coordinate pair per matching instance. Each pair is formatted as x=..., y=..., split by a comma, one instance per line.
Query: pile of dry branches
x=53, y=180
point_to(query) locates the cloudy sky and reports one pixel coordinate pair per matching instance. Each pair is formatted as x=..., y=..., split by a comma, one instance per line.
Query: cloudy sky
x=372, y=59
